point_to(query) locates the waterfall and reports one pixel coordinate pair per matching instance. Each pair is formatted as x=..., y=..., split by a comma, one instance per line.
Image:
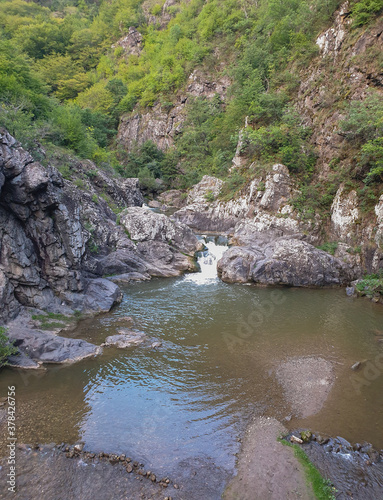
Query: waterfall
x=215, y=247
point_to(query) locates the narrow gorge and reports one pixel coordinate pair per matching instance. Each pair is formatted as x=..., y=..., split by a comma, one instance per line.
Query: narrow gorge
x=191, y=249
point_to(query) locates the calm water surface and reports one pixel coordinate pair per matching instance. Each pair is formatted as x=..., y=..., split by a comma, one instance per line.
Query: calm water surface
x=192, y=397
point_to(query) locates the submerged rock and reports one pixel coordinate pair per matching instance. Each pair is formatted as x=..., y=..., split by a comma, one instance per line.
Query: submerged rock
x=125, y=339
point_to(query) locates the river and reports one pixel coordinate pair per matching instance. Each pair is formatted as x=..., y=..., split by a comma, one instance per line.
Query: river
x=187, y=402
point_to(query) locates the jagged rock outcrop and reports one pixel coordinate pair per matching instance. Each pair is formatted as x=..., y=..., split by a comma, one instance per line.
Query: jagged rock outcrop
x=168, y=247
x=161, y=124
x=130, y=43
x=57, y=241
x=263, y=205
x=344, y=214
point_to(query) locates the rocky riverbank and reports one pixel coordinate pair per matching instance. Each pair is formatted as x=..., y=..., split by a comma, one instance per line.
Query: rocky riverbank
x=68, y=471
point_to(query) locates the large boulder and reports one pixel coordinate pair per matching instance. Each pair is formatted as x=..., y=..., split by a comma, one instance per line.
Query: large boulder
x=46, y=347
x=144, y=225
x=284, y=262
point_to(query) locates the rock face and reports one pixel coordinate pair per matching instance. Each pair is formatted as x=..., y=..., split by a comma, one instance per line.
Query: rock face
x=168, y=246
x=344, y=214
x=57, y=241
x=263, y=203
x=271, y=243
x=161, y=124
x=130, y=43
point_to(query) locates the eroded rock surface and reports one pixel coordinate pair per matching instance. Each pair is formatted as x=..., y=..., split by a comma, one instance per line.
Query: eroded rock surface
x=58, y=241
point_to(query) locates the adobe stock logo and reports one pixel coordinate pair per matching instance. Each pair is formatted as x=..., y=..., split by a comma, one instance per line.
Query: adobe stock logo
x=370, y=371
x=246, y=327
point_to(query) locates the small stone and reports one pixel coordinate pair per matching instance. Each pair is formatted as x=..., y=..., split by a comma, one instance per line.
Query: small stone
x=295, y=439
x=328, y=448
x=153, y=478
x=122, y=458
x=350, y=290
x=135, y=464
x=79, y=447
x=306, y=436
x=356, y=366
x=128, y=459
x=167, y=481
x=129, y=468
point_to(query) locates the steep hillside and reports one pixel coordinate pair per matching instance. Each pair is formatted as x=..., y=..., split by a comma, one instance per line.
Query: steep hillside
x=171, y=91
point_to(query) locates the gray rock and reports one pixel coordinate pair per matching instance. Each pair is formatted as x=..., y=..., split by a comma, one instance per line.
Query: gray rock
x=145, y=225
x=101, y=295
x=125, y=339
x=283, y=262
x=45, y=347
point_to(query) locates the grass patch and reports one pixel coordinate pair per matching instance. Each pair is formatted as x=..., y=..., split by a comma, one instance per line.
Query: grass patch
x=371, y=285
x=323, y=490
x=329, y=247
x=50, y=321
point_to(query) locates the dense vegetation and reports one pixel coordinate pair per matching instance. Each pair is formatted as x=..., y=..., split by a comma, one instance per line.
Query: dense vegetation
x=64, y=83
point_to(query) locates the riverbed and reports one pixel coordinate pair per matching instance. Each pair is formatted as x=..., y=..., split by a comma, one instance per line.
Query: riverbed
x=227, y=353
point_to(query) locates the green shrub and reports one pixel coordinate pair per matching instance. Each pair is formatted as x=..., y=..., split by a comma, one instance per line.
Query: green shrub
x=371, y=285
x=6, y=347
x=364, y=10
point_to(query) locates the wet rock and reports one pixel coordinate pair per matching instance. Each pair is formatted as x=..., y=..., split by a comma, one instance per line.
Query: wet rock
x=356, y=366
x=125, y=339
x=306, y=436
x=350, y=291
x=46, y=347
x=328, y=448
x=155, y=345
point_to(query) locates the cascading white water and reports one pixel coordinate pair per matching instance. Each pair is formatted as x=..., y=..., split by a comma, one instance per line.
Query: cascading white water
x=216, y=246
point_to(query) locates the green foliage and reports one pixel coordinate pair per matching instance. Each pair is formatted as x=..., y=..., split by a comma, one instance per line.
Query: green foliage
x=329, y=247
x=62, y=85
x=371, y=285
x=363, y=127
x=365, y=10
x=6, y=347
x=233, y=184
x=209, y=196
x=286, y=142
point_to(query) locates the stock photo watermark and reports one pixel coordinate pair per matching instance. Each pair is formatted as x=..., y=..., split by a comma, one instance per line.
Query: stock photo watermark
x=249, y=326
x=11, y=439
x=369, y=372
